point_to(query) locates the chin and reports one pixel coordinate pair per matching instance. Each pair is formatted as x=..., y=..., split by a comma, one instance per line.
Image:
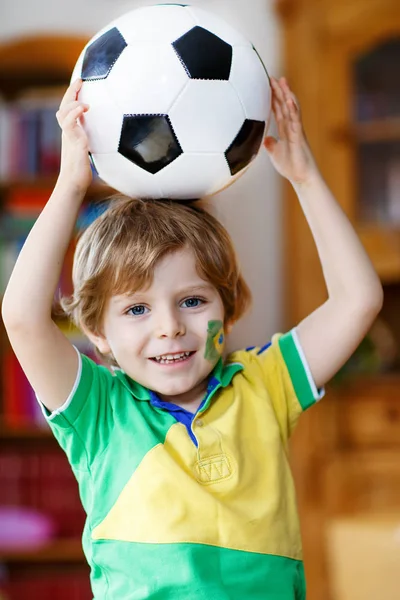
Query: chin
x=173, y=389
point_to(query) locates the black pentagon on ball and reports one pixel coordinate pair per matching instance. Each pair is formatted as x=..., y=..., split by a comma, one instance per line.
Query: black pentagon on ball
x=204, y=55
x=262, y=63
x=93, y=166
x=245, y=146
x=149, y=141
x=102, y=54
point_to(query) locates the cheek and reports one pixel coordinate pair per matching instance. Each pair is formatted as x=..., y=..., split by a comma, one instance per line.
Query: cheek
x=215, y=340
x=125, y=338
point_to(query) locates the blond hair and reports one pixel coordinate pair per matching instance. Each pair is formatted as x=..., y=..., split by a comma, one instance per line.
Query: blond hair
x=118, y=252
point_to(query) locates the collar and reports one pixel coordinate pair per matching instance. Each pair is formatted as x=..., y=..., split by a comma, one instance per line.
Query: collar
x=221, y=375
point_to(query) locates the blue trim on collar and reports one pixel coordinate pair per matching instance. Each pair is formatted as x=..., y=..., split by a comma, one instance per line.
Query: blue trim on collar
x=178, y=412
x=221, y=375
x=264, y=348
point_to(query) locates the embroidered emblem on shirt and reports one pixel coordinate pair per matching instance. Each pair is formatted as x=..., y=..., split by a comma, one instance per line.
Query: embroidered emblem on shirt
x=211, y=470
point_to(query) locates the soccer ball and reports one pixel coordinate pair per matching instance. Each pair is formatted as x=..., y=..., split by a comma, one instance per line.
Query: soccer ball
x=179, y=102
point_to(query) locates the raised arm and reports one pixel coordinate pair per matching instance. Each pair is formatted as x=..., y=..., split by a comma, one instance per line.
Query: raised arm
x=331, y=333
x=46, y=356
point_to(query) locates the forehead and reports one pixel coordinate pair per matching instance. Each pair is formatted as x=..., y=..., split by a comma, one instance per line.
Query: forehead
x=182, y=261
x=175, y=272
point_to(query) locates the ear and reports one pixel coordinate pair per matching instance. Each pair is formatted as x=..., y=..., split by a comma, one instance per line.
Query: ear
x=98, y=340
x=228, y=327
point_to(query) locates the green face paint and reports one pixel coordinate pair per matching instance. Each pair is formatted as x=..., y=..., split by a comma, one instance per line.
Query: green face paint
x=215, y=340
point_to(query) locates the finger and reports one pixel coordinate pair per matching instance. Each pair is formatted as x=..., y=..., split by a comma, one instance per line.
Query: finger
x=277, y=109
x=71, y=119
x=296, y=102
x=293, y=110
x=71, y=93
x=276, y=90
x=286, y=87
x=294, y=123
x=289, y=95
x=281, y=98
x=65, y=109
x=275, y=102
x=62, y=113
x=279, y=118
x=293, y=107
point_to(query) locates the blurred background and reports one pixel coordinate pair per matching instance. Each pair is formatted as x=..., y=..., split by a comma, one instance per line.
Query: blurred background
x=342, y=59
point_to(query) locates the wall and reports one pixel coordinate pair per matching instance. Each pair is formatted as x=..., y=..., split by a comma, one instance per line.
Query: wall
x=251, y=209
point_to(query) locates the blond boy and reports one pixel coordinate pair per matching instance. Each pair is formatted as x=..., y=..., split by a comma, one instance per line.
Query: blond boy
x=181, y=453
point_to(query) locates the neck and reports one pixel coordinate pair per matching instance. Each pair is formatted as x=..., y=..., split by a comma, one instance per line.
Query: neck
x=191, y=399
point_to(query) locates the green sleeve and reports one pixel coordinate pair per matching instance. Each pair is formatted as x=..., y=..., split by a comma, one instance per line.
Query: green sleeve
x=82, y=425
x=287, y=378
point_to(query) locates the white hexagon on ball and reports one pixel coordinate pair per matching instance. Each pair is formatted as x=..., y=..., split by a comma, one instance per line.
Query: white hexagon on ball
x=217, y=26
x=202, y=173
x=250, y=81
x=155, y=24
x=102, y=139
x=147, y=86
x=208, y=114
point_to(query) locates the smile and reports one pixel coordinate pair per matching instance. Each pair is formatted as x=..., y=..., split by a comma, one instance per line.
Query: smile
x=167, y=359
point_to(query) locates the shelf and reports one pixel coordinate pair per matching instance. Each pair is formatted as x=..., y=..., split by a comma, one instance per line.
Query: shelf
x=361, y=384
x=59, y=551
x=382, y=242
x=368, y=132
x=96, y=190
x=29, y=433
x=383, y=130
x=38, y=60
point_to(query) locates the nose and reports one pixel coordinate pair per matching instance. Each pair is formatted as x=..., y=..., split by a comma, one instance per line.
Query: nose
x=170, y=324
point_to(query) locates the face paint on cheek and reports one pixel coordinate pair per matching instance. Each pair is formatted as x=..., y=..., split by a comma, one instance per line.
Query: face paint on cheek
x=215, y=340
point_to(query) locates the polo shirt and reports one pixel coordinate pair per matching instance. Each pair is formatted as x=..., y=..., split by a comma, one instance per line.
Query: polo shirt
x=191, y=508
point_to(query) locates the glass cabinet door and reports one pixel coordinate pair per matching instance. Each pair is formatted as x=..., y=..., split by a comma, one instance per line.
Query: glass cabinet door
x=376, y=77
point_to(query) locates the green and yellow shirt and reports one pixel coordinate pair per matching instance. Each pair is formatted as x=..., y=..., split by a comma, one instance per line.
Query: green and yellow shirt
x=198, y=509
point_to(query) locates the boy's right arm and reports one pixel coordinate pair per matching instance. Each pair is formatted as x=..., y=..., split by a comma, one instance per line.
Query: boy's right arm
x=46, y=356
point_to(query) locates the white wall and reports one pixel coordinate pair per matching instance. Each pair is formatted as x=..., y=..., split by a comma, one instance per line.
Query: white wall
x=251, y=208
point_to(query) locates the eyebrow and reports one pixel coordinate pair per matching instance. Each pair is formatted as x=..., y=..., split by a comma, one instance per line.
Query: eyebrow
x=139, y=295
x=198, y=287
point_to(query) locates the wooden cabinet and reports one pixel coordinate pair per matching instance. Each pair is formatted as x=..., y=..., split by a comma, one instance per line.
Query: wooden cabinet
x=342, y=58
x=374, y=542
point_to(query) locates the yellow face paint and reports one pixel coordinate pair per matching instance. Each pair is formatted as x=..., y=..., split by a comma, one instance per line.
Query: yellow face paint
x=215, y=340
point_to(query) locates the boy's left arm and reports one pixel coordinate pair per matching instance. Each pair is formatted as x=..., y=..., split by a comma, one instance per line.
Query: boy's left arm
x=330, y=334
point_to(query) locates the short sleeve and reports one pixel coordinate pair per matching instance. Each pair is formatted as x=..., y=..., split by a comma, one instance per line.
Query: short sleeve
x=82, y=425
x=287, y=378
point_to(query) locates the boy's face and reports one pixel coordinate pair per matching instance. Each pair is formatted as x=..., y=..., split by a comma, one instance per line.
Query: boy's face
x=179, y=313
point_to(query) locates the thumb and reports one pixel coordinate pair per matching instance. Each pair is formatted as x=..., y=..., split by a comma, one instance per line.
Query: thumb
x=270, y=143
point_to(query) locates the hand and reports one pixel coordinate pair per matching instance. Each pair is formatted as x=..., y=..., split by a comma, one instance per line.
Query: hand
x=75, y=165
x=290, y=154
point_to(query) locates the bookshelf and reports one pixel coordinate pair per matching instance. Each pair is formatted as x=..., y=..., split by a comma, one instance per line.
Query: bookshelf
x=342, y=59
x=38, y=61
x=34, y=472
x=378, y=130
x=57, y=552
x=27, y=434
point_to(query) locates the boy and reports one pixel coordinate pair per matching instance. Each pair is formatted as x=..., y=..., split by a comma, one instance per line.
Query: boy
x=182, y=456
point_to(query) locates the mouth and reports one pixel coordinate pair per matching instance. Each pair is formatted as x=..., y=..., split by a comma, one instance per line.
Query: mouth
x=170, y=359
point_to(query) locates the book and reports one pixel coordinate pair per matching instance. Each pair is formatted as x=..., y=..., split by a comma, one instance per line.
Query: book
x=30, y=135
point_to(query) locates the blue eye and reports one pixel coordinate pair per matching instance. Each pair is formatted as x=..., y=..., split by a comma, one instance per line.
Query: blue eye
x=193, y=302
x=138, y=310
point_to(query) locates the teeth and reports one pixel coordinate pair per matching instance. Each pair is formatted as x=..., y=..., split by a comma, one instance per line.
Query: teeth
x=171, y=357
